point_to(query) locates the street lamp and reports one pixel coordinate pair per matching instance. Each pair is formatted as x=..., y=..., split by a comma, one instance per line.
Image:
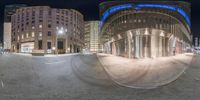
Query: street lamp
x=60, y=31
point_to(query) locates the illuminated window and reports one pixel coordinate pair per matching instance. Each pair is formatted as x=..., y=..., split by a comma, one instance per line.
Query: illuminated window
x=26, y=35
x=33, y=27
x=17, y=37
x=125, y=21
x=40, y=33
x=22, y=36
x=40, y=26
x=33, y=34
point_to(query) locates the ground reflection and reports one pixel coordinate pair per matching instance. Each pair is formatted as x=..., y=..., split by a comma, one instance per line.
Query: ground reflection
x=104, y=69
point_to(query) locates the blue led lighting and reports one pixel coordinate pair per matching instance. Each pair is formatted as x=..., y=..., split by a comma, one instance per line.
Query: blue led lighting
x=140, y=6
x=157, y=6
x=112, y=10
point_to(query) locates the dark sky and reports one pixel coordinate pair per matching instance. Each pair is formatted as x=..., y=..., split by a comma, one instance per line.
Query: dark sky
x=89, y=8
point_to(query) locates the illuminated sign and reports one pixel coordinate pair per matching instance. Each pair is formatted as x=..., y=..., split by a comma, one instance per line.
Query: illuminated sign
x=140, y=6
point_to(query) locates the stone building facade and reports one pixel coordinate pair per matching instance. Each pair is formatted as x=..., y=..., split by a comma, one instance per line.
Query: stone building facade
x=48, y=29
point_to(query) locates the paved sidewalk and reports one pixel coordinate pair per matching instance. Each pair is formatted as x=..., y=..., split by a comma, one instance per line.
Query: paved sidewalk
x=46, y=55
x=145, y=73
x=60, y=55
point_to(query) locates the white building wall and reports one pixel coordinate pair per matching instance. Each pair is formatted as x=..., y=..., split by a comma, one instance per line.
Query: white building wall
x=94, y=32
x=92, y=27
x=7, y=35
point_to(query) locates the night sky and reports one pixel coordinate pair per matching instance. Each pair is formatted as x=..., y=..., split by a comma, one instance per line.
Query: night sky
x=89, y=8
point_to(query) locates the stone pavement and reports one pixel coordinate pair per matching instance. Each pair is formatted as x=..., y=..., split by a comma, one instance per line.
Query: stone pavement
x=145, y=73
x=55, y=78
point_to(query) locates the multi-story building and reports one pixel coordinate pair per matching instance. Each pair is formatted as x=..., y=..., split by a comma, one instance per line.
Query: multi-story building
x=1, y=45
x=92, y=35
x=87, y=35
x=197, y=41
x=140, y=29
x=9, y=11
x=47, y=29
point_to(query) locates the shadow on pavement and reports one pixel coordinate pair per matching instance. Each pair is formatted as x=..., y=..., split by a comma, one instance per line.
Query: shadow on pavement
x=88, y=69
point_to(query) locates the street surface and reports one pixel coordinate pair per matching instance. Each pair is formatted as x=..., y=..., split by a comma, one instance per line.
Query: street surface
x=145, y=73
x=83, y=77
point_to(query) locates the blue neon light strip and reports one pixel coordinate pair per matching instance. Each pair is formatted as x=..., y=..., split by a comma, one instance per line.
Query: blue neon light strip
x=112, y=10
x=140, y=6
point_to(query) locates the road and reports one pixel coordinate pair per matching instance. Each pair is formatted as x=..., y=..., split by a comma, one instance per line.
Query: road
x=82, y=77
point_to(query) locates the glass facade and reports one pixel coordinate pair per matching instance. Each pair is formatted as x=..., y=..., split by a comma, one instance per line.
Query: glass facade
x=137, y=44
x=145, y=29
x=140, y=6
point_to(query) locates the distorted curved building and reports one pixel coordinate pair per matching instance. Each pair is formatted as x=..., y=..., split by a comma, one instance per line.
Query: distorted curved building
x=144, y=29
x=42, y=28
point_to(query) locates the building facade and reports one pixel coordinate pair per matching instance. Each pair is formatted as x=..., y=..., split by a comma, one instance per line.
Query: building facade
x=8, y=12
x=1, y=45
x=145, y=29
x=92, y=35
x=47, y=29
x=196, y=41
x=7, y=35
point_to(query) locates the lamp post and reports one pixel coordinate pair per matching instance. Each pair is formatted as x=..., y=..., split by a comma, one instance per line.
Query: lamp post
x=60, y=31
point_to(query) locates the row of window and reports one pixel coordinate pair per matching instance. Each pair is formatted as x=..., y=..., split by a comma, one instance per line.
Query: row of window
x=49, y=46
x=27, y=35
x=58, y=16
x=40, y=26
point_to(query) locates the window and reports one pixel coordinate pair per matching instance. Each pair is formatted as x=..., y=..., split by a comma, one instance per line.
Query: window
x=160, y=26
x=139, y=20
x=41, y=12
x=18, y=38
x=49, y=12
x=49, y=33
x=66, y=13
x=40, y=44
x=60, y=44
x=33, y=34
x=17, y=46
x=49, y=25
x=40, y=26
x=26, y=35
x=40, y=33
x=22, y=29
x=33, y=27
x=48, y=45
x=22, y=36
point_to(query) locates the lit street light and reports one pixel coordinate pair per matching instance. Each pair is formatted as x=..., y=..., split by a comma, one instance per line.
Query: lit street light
x=60, y=31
